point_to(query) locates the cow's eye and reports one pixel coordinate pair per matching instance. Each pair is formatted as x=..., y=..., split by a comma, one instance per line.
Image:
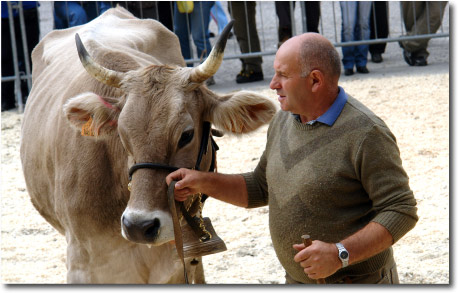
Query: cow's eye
x=186, y=138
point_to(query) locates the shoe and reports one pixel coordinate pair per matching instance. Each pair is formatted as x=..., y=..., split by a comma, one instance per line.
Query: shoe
x=6, y=107
x=348, y=71
x=377, y=58
x=249, y=76
x=420, y=61
x=362, y=69
x=408, y=57
x=210, y=81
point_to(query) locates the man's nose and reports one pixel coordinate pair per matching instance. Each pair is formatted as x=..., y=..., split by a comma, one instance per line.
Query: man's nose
x=274, y=84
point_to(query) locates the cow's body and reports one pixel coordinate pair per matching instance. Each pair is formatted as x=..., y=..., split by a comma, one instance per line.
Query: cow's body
x=79, y=183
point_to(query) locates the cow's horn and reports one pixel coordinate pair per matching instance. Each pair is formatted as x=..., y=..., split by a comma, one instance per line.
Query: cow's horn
x=102, y=74
x=210, y=66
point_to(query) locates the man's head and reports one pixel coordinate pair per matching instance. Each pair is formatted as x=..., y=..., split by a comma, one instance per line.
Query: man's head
x=307, y=71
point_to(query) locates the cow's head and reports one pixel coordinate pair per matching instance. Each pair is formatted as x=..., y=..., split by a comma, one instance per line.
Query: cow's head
x=159, y=119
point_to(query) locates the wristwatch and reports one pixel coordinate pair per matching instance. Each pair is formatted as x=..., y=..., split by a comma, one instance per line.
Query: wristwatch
x=343, y=254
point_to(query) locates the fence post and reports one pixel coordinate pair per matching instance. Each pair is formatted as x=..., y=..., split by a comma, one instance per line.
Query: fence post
x=17, y=80
x=25, y=47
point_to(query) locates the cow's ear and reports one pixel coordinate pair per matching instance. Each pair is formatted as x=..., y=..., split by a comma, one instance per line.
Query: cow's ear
x=92, y=114
x=241, y=112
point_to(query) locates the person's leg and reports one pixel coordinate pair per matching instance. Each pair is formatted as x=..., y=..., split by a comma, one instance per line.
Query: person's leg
x=362, y=32
x=421, y=18
x=220, y=16
x=7, y=93
x=312, y=14
x=348, y=9
x=283, y=11
x=379, y=28
x=182, y=25
x=244, y=14
x=428, y=22
x=70, y=13
x=165, y=10
x=199, y=27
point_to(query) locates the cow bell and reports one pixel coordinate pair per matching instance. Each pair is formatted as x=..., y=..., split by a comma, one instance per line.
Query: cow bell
x=195, y=247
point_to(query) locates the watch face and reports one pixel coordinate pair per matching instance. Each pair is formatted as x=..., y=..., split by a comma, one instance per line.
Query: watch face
x=344, y=254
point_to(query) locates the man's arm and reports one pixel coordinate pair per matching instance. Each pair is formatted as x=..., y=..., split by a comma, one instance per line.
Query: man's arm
x=321, y=260
x=225, y=187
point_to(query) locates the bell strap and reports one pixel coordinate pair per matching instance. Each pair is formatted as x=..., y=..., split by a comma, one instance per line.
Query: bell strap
x=176, y=226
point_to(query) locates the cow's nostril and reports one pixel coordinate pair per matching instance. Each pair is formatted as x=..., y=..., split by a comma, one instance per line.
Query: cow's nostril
x=126, y=222
x=152, y=229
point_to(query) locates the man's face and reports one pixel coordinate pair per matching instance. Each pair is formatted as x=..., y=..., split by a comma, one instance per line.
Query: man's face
x=291, y=88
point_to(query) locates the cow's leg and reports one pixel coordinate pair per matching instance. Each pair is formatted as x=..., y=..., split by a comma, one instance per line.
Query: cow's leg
x=199, y=276
x=194, y=270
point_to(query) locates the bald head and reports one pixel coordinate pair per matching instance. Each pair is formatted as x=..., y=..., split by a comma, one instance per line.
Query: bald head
x=314, y=52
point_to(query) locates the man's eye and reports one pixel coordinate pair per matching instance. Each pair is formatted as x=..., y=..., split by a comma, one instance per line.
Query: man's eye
x=186, y=138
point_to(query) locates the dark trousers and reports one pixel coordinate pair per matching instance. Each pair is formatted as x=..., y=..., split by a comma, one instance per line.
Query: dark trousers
x=283, y=10
x=244, y=14
x=379, y=25
x=32, y=31
x=421, y=17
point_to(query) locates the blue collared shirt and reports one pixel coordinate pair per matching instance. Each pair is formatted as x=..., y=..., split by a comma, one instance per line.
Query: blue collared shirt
x=330, y=116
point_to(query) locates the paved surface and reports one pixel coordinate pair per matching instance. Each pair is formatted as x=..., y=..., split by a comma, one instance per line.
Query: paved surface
x=267, y=22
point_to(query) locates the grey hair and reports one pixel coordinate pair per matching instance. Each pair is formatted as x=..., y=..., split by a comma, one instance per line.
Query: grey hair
x=319, y=55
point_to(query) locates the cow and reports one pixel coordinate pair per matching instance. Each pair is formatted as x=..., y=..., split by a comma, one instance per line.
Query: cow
x=107, y=95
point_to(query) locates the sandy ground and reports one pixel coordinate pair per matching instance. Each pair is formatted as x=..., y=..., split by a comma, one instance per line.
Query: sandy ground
x=415, y=107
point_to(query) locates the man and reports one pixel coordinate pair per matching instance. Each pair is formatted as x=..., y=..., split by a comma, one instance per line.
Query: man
x=331, y=169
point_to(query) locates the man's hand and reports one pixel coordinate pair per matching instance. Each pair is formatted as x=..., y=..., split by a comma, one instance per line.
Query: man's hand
x=187, y=183
x=319, y=260
x=224, y=187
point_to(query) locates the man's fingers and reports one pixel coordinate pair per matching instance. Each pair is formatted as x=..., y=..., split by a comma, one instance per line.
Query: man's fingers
x=299, y=247
x=175, y=176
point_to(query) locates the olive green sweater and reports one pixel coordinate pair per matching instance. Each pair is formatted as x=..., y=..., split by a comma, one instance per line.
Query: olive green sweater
x=329, y=182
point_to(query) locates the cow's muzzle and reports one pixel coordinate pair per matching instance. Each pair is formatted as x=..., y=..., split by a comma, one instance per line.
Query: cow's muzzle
x=154, y=228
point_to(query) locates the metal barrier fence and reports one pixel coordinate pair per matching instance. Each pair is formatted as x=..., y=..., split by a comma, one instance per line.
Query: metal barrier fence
x=266, y=20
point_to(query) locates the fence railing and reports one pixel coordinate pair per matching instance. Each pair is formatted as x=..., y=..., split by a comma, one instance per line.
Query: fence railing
x=267, y=27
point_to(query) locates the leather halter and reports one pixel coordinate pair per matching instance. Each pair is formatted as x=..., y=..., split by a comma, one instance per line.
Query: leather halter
x=206, y=130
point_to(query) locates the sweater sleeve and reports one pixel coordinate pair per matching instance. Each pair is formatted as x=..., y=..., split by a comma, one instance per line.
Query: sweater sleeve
x=386, y=182
x=256, y=184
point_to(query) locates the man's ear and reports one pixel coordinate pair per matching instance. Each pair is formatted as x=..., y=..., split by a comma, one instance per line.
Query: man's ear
x=317, y=79
x=91, y=114
x=241, y=112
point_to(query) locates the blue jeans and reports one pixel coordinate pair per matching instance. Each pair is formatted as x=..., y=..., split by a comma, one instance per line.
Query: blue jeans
x=355, y=27
x=219, y=15
x=72, y=13
x=197, y=21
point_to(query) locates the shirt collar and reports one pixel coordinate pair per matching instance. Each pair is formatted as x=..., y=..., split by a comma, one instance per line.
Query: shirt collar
x=330, y=116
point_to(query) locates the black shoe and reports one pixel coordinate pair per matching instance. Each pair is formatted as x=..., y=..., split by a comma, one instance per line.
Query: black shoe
x=6, y=107
x=420, y=61
x=408, y=57
x=249, y=76
x=362, y=69
x=210, y=81
x=377, y=58
x=348, y=71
